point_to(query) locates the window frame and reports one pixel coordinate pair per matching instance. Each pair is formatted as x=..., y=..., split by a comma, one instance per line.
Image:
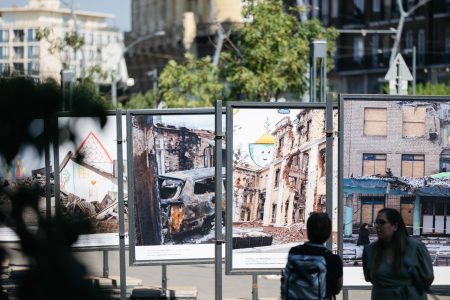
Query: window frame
x=412, y=158
x=375, y=157
x=377, y=122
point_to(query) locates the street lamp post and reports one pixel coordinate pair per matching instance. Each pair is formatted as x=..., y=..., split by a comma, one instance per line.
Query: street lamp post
x=117, y=69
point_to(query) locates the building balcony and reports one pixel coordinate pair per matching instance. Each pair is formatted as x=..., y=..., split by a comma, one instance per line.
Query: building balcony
x=371, y=62
x=18, y=40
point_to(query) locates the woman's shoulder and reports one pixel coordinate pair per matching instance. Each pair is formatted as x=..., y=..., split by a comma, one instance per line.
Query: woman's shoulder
x=371, y=246
x=413, y=242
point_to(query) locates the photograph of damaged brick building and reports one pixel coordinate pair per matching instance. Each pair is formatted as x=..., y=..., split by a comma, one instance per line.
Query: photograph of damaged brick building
x=396, y=153
x=173, y=175
x=275, y=199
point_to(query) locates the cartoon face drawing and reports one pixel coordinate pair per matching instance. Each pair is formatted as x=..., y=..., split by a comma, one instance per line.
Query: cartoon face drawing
x=261, y=154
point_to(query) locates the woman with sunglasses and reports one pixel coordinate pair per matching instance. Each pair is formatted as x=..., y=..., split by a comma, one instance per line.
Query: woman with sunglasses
x=397, y=265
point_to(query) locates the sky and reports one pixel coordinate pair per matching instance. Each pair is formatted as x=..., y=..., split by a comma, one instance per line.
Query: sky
x=120, y=8
x=249, y=125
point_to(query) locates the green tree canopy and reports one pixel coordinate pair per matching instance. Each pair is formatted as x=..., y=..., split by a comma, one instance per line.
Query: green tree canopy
x=273, y=53
x=268, y=58
x=142, y=101
x=192, y=83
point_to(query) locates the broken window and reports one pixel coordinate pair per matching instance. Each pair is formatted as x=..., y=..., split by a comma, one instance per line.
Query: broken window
x=308, y=129
x=169, y=187
x=280, y=147
x=260, y=212
x=305, y=163
x=413, y=121
x=277, y=175
x=301, y=133
x=322, y=158
x=373, y=164
x=274, y=213
x=413, y=165
x=375, y=121
x=204, y=186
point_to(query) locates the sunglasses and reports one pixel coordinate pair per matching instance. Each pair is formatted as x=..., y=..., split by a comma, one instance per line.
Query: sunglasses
x=380, y=222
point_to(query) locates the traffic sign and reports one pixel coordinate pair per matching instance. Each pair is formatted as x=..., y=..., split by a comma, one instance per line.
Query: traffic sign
x=398, y=70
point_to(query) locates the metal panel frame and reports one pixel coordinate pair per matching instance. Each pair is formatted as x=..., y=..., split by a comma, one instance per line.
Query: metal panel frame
x=131, y=194
x=229, y=174
x=55, y=128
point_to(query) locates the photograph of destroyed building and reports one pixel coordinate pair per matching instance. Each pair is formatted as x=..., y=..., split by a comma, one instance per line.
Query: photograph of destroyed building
x=173, y=169
x=396, y=154
x=88, y=174
x=88, y=178
x=278, y=177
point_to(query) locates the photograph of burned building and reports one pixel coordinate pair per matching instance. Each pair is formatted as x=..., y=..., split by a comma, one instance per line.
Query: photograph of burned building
x=396, y=154
x=278, y=176
x=174, y=180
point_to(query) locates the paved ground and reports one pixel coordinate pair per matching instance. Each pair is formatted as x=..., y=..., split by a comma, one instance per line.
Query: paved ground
x=200, y=276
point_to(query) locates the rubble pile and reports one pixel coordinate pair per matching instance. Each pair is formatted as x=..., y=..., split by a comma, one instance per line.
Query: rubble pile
x=287, y=234
x=280, y=235
x=104, y=214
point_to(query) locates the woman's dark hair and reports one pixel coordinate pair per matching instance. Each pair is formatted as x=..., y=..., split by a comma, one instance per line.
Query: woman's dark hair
x=318, y=227
x=399, y=239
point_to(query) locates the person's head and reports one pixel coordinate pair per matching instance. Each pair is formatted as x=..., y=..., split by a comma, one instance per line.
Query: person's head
x=364, y=226
x=391, y=231
x=318, y=227
x=390, y=226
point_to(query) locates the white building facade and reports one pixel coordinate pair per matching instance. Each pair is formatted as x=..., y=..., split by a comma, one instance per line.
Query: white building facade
x=22, y=54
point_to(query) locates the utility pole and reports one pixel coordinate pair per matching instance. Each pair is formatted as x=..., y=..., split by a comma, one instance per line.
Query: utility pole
x=303, y=10
x=117, y=69
x=398, y=35
x=77, y=30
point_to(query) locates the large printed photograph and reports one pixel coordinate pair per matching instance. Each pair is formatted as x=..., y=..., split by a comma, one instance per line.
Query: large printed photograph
x=174, y=186
x=88, y=179
x=396, y=154
x=278, y=179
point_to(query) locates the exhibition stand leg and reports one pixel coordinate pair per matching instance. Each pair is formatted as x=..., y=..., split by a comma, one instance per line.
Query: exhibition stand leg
x=123, y=281
x=254, y=287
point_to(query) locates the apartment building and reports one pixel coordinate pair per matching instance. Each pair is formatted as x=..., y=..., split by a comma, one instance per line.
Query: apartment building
x=187, y=26
x=22, y=54
x=362, y=55
x=391, y=148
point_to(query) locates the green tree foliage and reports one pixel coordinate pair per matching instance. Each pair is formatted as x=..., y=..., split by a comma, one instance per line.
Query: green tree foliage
x=268, y=58
x=73, y=42
x=273, y=53
x=57, y=45
x=142, y=101
x=192, y=83
x=428, y=89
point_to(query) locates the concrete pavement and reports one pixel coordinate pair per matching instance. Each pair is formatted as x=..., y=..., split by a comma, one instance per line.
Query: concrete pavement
x=200, y=276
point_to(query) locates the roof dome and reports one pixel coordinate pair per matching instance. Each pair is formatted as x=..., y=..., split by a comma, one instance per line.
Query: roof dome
x=266, y=139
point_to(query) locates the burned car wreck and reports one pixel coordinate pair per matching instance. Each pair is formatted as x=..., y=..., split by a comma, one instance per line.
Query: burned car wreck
x=187, y=202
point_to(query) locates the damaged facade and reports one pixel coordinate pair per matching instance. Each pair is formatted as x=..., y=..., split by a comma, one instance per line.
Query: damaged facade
x=396, y=140
x=181, y=148
x=288, y=189
x=89, y=186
